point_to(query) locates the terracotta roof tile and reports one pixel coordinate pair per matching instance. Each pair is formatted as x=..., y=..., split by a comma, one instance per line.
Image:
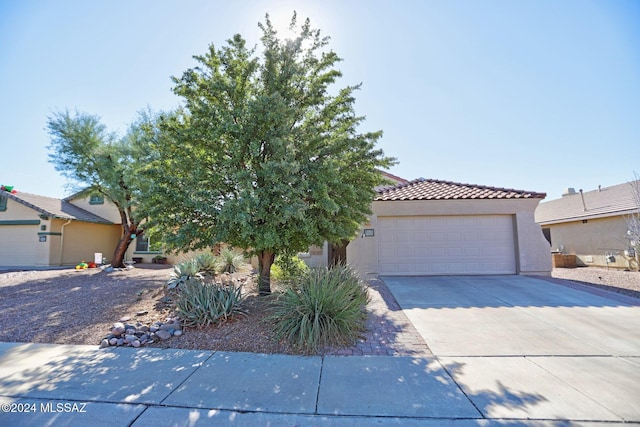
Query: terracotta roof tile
x=431, y=189
x=54, y=207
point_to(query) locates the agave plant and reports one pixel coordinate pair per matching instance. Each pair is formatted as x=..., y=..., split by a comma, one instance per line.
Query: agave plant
x=202, y=303
x=207, y=263
x=183, y=272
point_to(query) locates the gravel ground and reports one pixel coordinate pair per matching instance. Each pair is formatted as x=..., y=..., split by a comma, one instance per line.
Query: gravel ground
x=619, y=281
x=79, y=307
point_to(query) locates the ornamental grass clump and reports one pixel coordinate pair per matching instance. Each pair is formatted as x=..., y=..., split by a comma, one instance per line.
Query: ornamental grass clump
x=325, y=308
x=230, y=261
x=204, y=303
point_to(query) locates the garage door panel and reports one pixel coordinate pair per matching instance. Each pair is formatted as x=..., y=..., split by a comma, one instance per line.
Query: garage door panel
x=471, y=252
x=446, y=245
x=19, y=245
x=437, y=237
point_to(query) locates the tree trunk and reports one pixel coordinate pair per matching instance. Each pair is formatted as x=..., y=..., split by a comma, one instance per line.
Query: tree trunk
x=265, y=259
x=121, y=248
x=118, y=255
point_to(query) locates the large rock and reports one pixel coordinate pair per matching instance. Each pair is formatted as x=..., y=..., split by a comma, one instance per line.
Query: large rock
x=163, y=334
x=117, y=329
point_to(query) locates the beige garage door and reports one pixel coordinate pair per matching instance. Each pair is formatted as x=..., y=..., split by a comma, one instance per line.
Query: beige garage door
x=433, y=245
x=18, y=246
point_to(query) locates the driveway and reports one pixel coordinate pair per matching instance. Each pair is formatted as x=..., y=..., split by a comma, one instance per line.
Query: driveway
x=523, y=347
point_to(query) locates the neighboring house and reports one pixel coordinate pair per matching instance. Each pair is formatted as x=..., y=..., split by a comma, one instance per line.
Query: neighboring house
x=431, y=227
x=591, y=225
x=44, y=231
x=140, y=250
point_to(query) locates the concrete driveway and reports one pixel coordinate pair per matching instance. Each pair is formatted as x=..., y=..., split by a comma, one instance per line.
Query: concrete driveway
x=523, y=347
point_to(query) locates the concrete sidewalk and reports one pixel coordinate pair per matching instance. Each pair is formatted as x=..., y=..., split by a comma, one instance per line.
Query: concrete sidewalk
x=42, y=384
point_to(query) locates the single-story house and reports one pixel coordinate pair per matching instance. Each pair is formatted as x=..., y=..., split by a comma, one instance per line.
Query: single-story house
x=592, y=226
x=432, y=227
x=44, y=231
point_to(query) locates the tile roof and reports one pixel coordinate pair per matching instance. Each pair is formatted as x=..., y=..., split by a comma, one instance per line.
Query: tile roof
x=53, y=207
x=607, y=201
x=431, y=189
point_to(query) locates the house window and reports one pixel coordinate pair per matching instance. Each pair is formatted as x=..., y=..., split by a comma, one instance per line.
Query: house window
x=3, y=203
x=96, y=199
x=142, y=243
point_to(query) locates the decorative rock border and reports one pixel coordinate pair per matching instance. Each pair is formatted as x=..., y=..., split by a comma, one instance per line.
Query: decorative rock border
x=135, y=335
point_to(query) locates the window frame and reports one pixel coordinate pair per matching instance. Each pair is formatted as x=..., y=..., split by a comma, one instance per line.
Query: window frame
x=96, y=199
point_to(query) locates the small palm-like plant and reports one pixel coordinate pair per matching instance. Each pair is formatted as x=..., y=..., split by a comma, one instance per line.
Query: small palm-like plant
x=230, y=261
x=325, y=308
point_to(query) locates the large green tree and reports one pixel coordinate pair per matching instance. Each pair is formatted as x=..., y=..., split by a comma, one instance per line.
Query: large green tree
x=265, y=153
x=89, y=156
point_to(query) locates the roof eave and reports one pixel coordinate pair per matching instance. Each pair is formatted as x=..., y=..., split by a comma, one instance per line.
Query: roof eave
x=588, y=216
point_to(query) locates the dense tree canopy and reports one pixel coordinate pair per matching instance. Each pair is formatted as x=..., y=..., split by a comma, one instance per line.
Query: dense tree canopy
x=264, y=154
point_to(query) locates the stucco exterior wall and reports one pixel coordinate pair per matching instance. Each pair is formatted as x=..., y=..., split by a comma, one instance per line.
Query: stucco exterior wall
x=316, y=256
x=592, y=240
x=107, y=210
x=17, y=211
x=534, y=251
x=82, y=239
x=533, y=255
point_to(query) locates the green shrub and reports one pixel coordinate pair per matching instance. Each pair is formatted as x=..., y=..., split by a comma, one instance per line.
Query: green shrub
x=230, y=261
x=325, y=309
x=201, y=303
x=288, y=268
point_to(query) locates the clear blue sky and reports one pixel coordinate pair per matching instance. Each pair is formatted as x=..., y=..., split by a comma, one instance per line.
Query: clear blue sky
x=528, y=94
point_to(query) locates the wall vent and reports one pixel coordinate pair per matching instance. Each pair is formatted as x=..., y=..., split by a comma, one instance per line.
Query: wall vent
x=588, y=258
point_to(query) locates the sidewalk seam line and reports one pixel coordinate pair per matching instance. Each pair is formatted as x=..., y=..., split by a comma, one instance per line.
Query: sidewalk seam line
x=442, y=365
x=188, y=376
x=588, y=396
x=319, y=384
x=133, y=421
